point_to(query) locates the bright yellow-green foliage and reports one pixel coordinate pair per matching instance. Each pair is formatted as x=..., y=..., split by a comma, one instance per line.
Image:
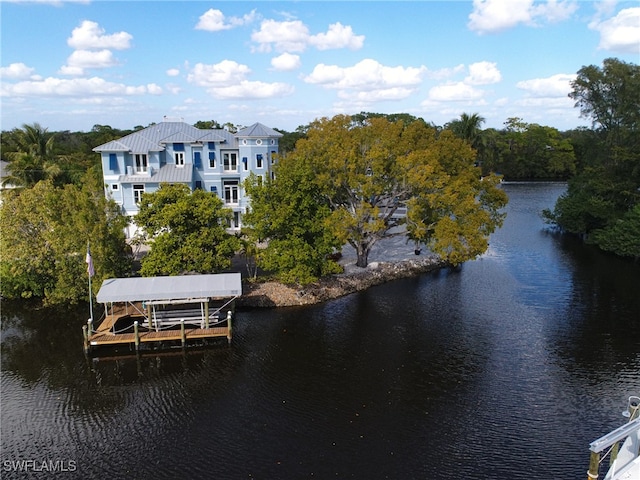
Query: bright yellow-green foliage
x=366, y=172
x=45, y=230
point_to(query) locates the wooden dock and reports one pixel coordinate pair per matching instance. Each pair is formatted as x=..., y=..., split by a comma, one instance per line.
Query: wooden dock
x=105, y=335
x=164, y=310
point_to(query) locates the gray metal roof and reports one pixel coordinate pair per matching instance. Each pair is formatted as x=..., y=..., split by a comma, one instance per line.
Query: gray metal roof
x=222, y=285
x=154, y=137
x=166, y=174
x=258, y=130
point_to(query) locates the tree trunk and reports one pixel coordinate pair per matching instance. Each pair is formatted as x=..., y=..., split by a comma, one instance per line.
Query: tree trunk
x=363, y=255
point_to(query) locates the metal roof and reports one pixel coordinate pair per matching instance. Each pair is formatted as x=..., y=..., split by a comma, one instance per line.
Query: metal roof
x=167, y=174
x=154, y=137
x=184, y=287
x=258, y=130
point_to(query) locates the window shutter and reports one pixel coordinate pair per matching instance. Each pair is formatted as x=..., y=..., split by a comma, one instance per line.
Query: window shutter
x=178, y=147
x=196, y=159
x=113, y=162
x=212, y=145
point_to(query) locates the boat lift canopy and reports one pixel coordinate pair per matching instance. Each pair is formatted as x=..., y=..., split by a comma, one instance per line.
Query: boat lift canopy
x=175, y=289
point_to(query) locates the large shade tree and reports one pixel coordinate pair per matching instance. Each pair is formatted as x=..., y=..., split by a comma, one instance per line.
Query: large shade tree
x=45, y=231
x=368, y=172
x=186, y=231
x=601, y=201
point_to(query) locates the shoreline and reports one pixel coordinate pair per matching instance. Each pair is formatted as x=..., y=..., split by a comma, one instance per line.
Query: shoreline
x=354, y=279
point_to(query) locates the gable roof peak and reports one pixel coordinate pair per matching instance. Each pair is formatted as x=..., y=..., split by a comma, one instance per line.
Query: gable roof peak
x=258, y=130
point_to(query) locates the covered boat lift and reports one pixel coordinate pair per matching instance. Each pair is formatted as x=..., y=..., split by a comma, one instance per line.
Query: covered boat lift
x=162, y=309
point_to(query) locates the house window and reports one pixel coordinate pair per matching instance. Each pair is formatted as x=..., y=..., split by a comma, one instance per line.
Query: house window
x=259, y=160
x=114, y=186
x=138, y=190
x=214, y=189
x=212, y=159
x=197, y=159
x=140, y=163
x=179, y=156
x=198, y=184
x=245, y=163
x=231, y=191
x=258, y=142
x=273, y=158
x=113, y=162
x=230, y=161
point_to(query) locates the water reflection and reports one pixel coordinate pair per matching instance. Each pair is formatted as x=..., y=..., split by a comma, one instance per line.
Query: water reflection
x=520, y=358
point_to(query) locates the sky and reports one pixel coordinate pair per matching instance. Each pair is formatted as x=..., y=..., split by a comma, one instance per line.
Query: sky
x=70, y=65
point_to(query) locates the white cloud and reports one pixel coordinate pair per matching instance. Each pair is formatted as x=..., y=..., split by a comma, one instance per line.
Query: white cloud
x=620, y=33
x=479, y=73
x=286, y=62
x=76, y=87
x=490, y=16
x=294, y=36
x=214, y=20
x=455, y=92
x=154, y=89
x=367, y=74
x=289, y=36
x=385, y=94
x=556, y=86
x=219, y=74
x=554, y=11
x=81, y=59
x=227, y=80
x=252, y=90
x=16, y=71
x=444, y=73
x=483, y=73
x=173, y=72
x=338, y=36
x=90, y=36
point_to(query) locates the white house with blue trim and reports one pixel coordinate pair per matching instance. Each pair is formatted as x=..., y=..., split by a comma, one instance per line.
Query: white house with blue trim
x=175, y=152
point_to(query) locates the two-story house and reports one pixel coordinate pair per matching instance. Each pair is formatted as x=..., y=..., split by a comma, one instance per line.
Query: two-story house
x=175, y=152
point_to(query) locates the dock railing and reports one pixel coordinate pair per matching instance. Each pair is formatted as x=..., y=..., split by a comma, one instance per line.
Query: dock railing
x=612, y=439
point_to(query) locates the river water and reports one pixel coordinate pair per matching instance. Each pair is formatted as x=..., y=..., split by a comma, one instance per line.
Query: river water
x=506, y=368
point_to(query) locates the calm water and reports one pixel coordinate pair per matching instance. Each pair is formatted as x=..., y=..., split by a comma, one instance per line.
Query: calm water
x=504, y=369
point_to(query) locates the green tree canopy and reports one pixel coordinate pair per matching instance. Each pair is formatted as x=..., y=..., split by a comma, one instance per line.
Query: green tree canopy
x=469, y=128
x=365, y=172
x=187, y=231
x=30, y=153
x=601, y=200
x=290, y=211
x=45, y=230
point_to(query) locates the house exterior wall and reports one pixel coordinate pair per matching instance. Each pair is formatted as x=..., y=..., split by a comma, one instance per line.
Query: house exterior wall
x=212, y=160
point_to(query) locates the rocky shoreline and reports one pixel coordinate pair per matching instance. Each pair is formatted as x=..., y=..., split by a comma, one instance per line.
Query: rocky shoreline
x=354, y=279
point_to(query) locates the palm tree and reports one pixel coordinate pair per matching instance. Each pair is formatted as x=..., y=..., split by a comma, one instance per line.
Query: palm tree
x=468, y=128
x=31, y=158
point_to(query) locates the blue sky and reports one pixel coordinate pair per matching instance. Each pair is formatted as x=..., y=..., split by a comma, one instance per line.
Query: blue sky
x=69, y=65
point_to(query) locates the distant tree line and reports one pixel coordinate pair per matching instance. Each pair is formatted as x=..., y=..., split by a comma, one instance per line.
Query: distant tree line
x=339, y=180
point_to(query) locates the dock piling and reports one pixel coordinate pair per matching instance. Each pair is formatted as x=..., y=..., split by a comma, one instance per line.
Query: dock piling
x=229, y=328
x=85, y=338
x=183, y=333
x=136, y=335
